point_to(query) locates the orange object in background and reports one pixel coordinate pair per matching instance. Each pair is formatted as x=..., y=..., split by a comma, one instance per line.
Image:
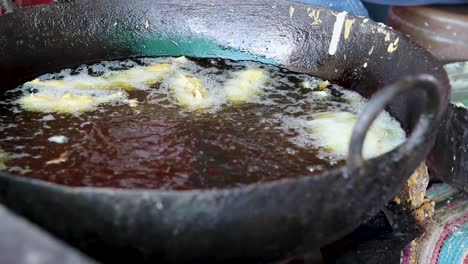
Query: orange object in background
x=32, y=2
x=22, y=3
x=442, y=29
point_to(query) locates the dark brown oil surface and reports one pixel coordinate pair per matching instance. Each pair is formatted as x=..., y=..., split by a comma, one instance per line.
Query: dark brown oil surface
x=162, y=146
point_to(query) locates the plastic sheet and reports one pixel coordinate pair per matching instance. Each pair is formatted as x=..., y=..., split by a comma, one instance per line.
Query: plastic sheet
x=416, y=2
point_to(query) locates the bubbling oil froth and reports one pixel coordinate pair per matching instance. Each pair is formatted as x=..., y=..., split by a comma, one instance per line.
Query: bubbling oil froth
x=287, y=107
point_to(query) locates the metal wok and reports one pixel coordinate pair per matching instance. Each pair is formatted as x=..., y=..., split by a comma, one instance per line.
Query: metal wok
x=256, y=222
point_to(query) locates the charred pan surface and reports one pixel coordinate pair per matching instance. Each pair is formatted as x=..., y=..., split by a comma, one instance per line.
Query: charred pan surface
x=449, y=159
x=257, y=222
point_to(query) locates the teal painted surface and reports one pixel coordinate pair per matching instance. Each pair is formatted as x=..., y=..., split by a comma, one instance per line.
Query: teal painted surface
x=436, y=192
x=455, y=247
x=157, y=45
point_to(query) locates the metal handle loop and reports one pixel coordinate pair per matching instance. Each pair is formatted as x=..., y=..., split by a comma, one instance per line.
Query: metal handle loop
x=431, y=111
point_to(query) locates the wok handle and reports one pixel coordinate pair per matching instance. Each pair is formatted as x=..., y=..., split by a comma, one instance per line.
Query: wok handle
x=431, y=111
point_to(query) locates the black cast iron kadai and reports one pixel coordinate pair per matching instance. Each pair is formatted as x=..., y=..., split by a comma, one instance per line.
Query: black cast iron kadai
x=256, y=222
